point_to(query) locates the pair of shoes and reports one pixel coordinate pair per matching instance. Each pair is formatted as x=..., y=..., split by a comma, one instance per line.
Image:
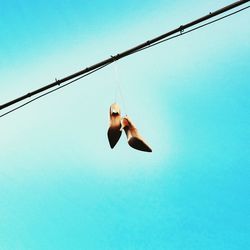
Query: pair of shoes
x=119, y=123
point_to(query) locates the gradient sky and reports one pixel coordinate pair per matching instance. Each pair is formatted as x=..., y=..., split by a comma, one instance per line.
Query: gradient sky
x=62, y=187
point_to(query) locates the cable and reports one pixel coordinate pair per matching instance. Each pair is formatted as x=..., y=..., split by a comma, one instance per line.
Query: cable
x=147, y=47
x=51, y=91
x=188, y=31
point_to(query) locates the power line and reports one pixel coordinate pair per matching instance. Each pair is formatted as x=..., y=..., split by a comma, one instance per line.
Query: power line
x=150, y=43
x=51, y=91
x=196, y=28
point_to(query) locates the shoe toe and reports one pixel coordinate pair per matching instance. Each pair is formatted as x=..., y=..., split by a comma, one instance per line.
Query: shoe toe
x=139, y=144
x=114, y=135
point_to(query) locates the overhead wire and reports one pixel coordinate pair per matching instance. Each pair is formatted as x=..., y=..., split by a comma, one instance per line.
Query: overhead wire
x=101, y=67
x=193, y=29
x=53, y=90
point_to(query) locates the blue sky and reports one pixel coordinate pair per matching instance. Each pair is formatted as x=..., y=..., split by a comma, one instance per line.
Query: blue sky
x=62, y=187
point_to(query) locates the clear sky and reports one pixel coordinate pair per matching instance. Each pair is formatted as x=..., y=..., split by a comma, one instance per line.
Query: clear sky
x=62, y=187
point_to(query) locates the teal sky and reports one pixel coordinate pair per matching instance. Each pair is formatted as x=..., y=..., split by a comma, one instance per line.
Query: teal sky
x=62, y=187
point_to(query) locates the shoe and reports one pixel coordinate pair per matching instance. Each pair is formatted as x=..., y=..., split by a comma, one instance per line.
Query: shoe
x=114, y=131
x=134, y=139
